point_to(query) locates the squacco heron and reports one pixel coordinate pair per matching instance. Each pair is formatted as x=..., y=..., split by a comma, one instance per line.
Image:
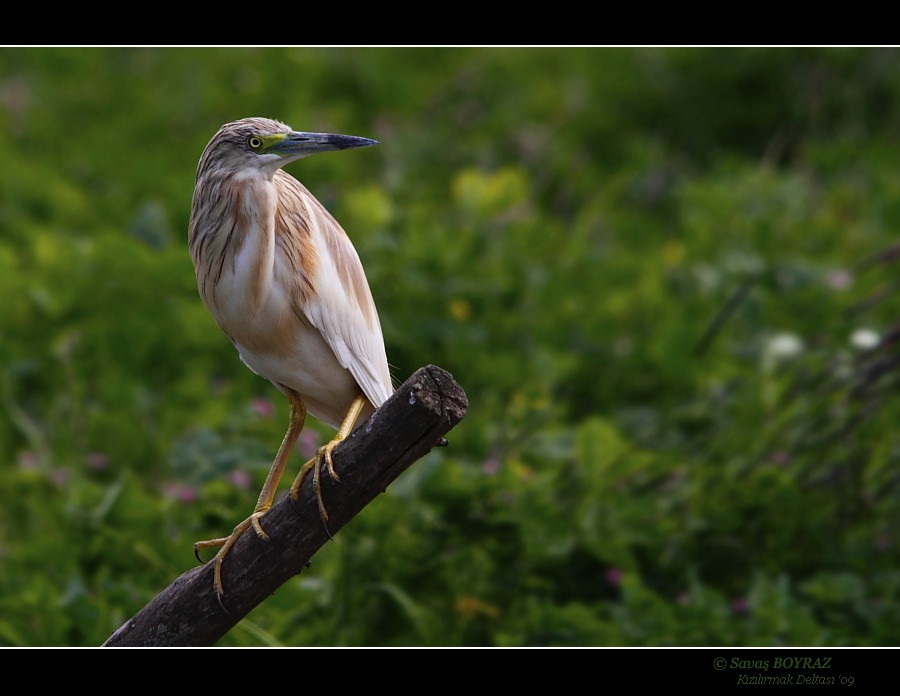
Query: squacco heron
x=282, y=280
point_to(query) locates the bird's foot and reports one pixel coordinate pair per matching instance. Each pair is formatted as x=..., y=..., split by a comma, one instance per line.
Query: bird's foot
x=224, y=545
x=314, y=465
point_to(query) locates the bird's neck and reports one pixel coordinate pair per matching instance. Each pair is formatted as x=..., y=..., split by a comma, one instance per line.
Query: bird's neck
x=237, y=242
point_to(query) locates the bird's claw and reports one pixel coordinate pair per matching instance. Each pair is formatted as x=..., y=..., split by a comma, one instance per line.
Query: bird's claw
x=225, y=544
x=322, y=459
x=257, y=527
x=325, y=453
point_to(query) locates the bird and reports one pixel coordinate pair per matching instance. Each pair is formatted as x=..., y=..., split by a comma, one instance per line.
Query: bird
x=283, y=281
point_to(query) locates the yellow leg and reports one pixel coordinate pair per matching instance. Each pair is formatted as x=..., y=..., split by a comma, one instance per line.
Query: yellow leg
x=266, y=495
x=323, y=456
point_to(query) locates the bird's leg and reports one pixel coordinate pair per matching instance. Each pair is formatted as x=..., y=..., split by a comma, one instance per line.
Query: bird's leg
x=323, y=456
x=266, y=495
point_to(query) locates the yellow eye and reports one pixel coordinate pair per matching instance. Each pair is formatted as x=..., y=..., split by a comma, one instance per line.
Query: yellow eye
x=254, y=142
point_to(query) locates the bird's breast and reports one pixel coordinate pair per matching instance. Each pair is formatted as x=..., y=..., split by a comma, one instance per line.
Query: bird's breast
x=252, y=309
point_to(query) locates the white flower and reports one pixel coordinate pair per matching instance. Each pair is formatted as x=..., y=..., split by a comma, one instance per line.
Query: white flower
x=864, y=339
x=784, y=346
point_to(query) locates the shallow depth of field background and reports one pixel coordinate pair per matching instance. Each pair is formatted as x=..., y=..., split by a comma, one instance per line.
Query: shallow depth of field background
x=666, y=278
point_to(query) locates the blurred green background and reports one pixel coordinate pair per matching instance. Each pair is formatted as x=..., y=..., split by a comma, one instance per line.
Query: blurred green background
x=666, y=279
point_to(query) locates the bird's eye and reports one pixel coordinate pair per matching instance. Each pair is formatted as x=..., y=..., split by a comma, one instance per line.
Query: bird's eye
x=254, y=142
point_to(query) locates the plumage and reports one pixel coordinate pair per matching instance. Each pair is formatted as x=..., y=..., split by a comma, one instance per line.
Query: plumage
x=283, y=281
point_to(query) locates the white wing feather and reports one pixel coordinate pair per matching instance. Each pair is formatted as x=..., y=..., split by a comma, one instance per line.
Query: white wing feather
x=343, y=309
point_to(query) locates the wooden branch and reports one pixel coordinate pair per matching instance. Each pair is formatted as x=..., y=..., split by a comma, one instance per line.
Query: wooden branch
x=404, y=429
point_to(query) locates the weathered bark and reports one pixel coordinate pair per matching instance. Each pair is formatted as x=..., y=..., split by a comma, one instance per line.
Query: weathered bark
x=404, y=429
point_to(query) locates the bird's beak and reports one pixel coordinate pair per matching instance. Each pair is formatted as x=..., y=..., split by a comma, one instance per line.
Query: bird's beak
x=297, y=144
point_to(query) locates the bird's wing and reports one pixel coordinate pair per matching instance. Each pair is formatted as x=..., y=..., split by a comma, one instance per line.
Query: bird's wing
x=341, y=307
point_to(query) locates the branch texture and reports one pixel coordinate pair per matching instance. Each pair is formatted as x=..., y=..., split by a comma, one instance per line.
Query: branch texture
x=405, y=428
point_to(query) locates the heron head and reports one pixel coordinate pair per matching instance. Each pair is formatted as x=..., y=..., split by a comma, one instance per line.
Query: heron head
x=265, y=144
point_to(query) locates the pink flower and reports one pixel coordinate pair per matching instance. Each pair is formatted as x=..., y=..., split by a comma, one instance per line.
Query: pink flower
x=97, y=461
x=739, y=605
x=491, y=465
x=262, y=407
x=839, y=279
x=241, y=479
x=308, y=443
x=28, y=459
x=780, y=457
x=614, y=576
x=60, y=476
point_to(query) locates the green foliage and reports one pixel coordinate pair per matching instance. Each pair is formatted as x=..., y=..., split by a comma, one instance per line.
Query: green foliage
x=665, y=278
